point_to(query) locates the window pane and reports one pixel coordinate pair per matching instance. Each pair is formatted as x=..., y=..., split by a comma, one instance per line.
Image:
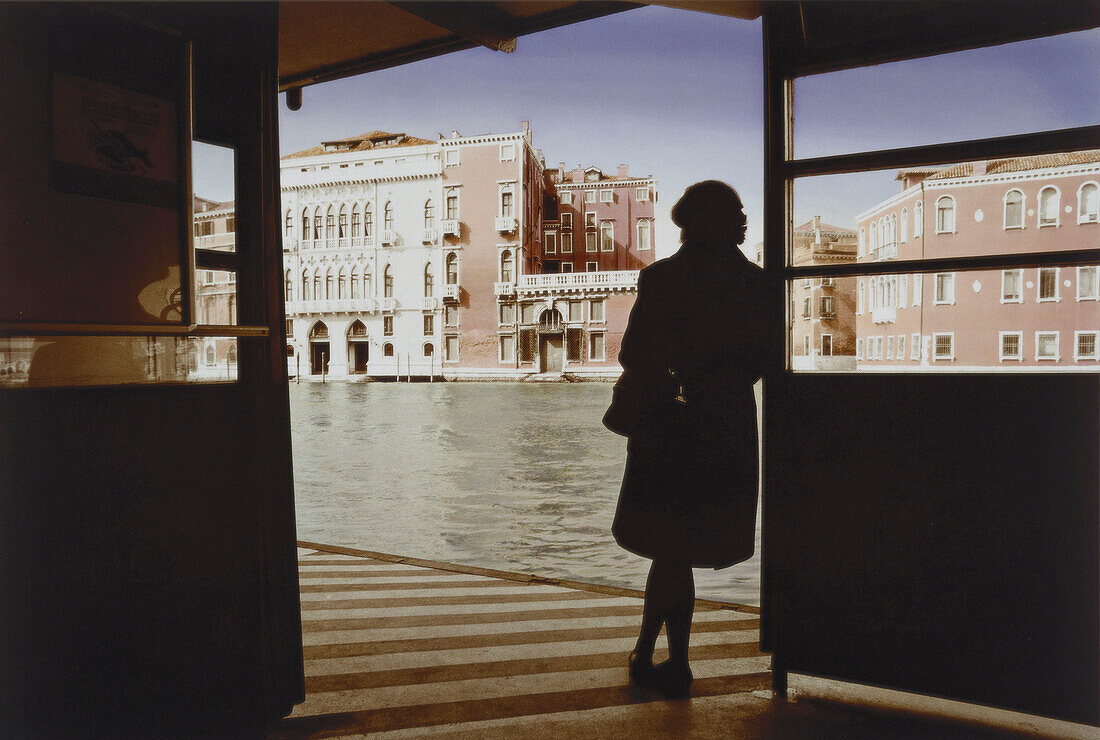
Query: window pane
x=1011, y=205
x=216, y=297
x=66, y=361
x=948, y=97
x=214, y=184
x=989, y=320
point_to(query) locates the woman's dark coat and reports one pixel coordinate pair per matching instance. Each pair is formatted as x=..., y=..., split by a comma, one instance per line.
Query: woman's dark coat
x=690, y=487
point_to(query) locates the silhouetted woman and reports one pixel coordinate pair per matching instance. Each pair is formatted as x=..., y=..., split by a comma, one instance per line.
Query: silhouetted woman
x=690, y=355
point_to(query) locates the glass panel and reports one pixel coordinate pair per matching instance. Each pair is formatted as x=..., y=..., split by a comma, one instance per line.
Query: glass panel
x=1013, y=205
x=215, y=297
x=213, y=179
x=67, y=361
x=1030, y=319
x=1013, y=88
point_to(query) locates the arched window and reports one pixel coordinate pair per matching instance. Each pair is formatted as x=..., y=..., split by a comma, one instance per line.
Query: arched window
x=357, y=329
x=387, y=282
x=289, y=287
x=644, y=240
x=319, y=331
x=342, y=284
x=232, y=354
x=342, y=223
x=387, y=350
x=307, y=294
x=330, y=224
x=288, y=230
x=507, y=265
x=1049, y=201
x=1014, y=209
x=317, y=223
x=607, y=236
x=861, y=297
x=356, y=225
x=874, y=237
x=918, y=219
x=429, y=215
x=452, y=269
x=862, y=241
x=368, y=283
x=317, y=289
x=354, y=283
x=429, y=281
x=893, y=229
x=305, y=224
x=945, y=215
x=368, y=220
x=211, y=356
x=1088, y=203
x=387, y=218
x=905, y=224
x=329, y=292
x=429, y=349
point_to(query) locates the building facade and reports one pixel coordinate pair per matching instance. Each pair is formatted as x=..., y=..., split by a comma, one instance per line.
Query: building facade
x=1006, y=319
x=823, y=328
x=412, y=258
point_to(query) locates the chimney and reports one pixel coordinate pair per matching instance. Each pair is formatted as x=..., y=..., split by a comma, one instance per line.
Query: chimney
x=454, y=134
x=526, y=126
x=817, y=229
x=577, y=174
x=624, y=171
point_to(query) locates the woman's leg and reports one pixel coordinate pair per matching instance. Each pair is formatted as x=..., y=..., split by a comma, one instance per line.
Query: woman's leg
x=669, y=600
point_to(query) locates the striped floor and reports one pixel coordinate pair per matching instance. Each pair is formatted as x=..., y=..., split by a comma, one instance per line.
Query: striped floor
x=403, y=648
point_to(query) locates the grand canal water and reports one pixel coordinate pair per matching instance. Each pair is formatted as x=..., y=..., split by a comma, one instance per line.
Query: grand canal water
x=516, y=476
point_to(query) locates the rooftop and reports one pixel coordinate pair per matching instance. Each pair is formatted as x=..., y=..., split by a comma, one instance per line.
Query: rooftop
x=1011, y=164
x=368, y=141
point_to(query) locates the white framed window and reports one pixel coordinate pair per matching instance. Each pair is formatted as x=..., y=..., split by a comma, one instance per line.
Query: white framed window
x=507, y=348
x=918, y=289
x=550, y=242
x=641, y=194
x=859, y=349
x=945, y=288
x=590, y=220
x=943, y=346
x=507, y=313
x=607, y=236
x=1046, y=345
x=507, y=152
x=914, y=347
x=874, y=237
x=826, y=345
x=1012, y=286
x=450, y=348
x=878, y=348
x=595, y=310
x=806, y=345
x=1048, y=285
x=387, y=349
x=862, y=244
x=567, y=242
x=596, y=348
x=387, y=326
x=945, y=215
x=861, y=297
x=807, y=307
x=387, y=217
x=507, y=266
x=1088, y=283
x=450, y=157
x=1085, y=345
x=566, y=198
x=589, y=196
x=591, y=266
x=1010, y=344
x=904, y=224
x=903, y=290
x=452, y=205
x=450, y=316
x=590, y=241
x=918, y=219
x=901, y=346
x=429, y=215
x=507, y=201
x=827, y=281
x=1014, y=209
x=1050, y=199
x=827, y=306
x=429, y=324
x=645, y=242
x=890, y=347
x=567, y=220
x=1088, y=203
x=566, y=266
x=607, y=196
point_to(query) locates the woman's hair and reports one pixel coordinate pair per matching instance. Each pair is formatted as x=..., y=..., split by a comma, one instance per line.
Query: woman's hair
x=709, y=212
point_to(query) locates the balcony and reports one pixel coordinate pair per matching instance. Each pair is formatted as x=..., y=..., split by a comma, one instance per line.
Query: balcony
x=368, y=242
x=331, y=306
x=579, y=282
x=451, y=227
x=389, y=237
x=429, y=304
x=828, y=315
x=504, y=289
x=884, y=314
x=450, y=293
x=389, y=305
x=222, y=242
x=429, y=236
x=289, y=243
x=357, y=241
x=506, y=224
x=330, y=243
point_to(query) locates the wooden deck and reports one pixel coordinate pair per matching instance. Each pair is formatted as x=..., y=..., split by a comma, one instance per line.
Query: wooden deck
x=408, y=647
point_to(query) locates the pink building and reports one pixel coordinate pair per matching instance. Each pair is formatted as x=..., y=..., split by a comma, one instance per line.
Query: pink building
x=823, y=330
x=1023, y=318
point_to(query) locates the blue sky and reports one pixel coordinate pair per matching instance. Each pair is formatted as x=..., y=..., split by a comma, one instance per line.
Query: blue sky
x=678, y=95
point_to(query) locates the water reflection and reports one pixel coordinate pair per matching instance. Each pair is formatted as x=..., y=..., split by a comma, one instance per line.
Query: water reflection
x=520, y=477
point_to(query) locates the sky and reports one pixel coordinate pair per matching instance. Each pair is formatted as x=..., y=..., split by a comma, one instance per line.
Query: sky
x=679, y=95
